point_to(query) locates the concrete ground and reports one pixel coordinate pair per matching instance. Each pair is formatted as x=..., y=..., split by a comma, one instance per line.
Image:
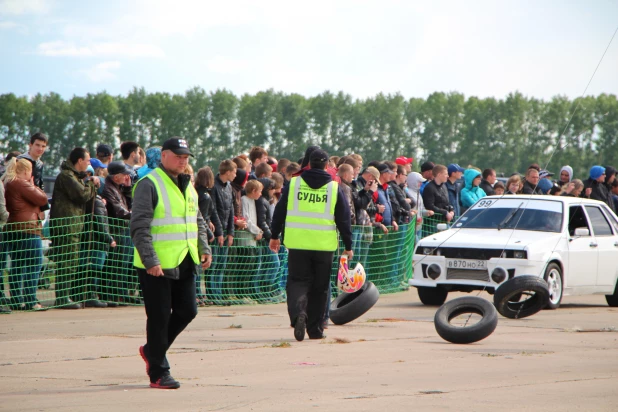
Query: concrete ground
x=245, y=358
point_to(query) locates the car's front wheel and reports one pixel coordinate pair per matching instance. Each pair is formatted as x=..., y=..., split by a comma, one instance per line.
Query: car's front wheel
x=553, y=277
x=432, y=296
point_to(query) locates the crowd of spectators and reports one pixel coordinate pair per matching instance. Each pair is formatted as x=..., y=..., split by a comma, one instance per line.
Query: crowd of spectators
x=92, y=201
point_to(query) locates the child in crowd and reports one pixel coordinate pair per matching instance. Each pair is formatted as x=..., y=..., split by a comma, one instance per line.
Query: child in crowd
x=499, y=188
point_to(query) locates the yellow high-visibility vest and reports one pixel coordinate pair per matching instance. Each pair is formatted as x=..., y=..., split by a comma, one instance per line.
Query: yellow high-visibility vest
x=174, y=223
x=310, y=221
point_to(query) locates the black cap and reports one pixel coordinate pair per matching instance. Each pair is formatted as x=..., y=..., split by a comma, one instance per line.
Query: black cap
x=177, y=145
x=318, y=155
x=115, y=168
x=382, y=168
x=427, y=166
x=104, y=150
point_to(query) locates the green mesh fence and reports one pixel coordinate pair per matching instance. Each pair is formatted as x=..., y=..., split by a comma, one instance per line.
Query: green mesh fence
x=73, y=260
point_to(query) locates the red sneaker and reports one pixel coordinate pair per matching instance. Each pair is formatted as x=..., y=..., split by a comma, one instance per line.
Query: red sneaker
x=165, y=382
x=143, y=355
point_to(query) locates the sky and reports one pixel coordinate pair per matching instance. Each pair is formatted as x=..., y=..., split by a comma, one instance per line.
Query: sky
x=479, y=48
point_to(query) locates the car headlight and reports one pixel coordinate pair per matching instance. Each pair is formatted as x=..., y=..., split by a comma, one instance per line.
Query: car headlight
x=519, y=254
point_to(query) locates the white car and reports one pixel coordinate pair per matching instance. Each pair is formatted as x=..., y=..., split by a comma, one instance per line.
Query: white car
x=571, y=242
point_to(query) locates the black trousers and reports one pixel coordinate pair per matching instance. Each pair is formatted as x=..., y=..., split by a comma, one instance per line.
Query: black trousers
x=307, y=287
x=170, y=306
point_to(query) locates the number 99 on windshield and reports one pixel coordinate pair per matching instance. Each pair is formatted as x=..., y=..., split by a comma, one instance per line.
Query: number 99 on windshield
x=484, y=204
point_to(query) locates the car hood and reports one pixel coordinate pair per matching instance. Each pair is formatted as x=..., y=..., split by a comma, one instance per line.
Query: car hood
x=489, y=238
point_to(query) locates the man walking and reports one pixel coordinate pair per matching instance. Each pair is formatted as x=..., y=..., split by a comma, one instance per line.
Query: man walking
x=312, y=208
x=170, y=240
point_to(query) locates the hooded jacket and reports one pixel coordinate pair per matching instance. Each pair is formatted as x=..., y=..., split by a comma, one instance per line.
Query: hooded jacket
x=262, y=208
x=315, y=178
x=69, y=200
x=599, y=192
x=470, y=194
x=454, y=190
x=206, y=207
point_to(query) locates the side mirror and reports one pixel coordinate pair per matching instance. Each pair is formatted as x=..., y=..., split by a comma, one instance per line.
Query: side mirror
x=441, y=227
x=582, y=231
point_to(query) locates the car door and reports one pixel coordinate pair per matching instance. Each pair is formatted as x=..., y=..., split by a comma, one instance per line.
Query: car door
x=583, y=253
x=607, y=246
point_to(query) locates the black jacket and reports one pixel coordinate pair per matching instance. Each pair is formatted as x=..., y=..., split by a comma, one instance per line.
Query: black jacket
x=599, y=192
x=399, y=198
x=315, y=178
x=222, y=199
x=96, y=226
x=487, y=188
x=435, y=197
x=206, y=207
x=264, y=221
x=529, y=189
x=363, y=199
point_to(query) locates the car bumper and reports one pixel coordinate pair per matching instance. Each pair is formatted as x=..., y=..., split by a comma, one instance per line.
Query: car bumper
x=466, y=278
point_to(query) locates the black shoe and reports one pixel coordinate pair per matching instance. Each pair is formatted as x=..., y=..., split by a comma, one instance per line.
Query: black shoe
x=165, y=382
x=322, y=336
x=95, y=304
x=300, y=326
x=111, y=304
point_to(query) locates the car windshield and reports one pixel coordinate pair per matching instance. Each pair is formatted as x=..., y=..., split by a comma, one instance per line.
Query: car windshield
x=509, y=213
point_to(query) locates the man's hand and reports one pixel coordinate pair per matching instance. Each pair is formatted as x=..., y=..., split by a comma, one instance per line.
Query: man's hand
x=113, y=244
x=274, y=245
x=258, y=237
x=220, y=240
x=430, y=213
x=155, y=271
x=588, y=192
x=449, y=216
x=395, y=226
x=206, y=261
x=230, y=240
x=384, y=228
x=350, y=254
x=381, y=208
x=569, y=188
x=241, y=223
x=211, y=226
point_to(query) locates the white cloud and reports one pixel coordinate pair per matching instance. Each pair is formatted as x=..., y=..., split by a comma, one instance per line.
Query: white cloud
x=16, y=7
x=105, y=49
x=225, y=65
x=102, y=71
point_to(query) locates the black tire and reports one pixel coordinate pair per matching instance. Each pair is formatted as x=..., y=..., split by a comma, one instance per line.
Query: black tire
x=460, y=306
x=532, y=289
x=432, y=296
x=612, y=300
x=553, y=278
x=349, y=306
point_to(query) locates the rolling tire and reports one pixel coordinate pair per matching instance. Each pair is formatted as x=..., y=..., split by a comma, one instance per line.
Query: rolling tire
x=553, y=277
x=349, y=306
x=460, y=306
x=612, y=300
x=432, y=296
x=506, y=298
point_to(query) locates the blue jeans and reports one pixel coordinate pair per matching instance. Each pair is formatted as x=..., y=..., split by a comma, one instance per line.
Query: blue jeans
x=91, y=261
x=26, y=262
x=5, y=247
x=269, y=269
x=214, y=278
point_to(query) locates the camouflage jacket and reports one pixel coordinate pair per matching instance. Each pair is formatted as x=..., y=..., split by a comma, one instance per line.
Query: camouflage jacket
x=69, y=200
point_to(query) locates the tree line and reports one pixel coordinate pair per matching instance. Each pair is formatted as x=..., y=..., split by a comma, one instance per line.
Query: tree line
x=505, y=134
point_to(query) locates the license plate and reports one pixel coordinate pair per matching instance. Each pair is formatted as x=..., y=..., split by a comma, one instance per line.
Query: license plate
x=466, y=264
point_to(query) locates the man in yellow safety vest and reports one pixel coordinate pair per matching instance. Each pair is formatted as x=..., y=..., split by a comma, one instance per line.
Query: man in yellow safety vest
x=312, y=209
x=171, y=241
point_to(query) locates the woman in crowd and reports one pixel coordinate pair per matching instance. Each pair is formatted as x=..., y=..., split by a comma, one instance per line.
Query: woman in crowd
x=471, y=191
x=153, y=158
x=204, y=182
x=23, y=202
x=573, y=188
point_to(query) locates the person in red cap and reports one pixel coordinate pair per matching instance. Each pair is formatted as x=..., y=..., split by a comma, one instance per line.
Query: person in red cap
x=406, y=162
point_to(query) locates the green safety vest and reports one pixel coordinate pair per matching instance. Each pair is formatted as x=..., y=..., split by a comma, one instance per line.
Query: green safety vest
x=310, y=221
x=174, y=223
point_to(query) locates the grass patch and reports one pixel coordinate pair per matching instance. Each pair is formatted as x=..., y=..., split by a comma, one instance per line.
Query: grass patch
x=281, y=345
x=232, y=326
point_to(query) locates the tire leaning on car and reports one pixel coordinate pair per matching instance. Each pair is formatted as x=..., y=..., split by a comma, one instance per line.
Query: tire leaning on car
x=349, y=306
x=461, y=306
x=432, y=296
x=553, y=277
x=534, y=291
